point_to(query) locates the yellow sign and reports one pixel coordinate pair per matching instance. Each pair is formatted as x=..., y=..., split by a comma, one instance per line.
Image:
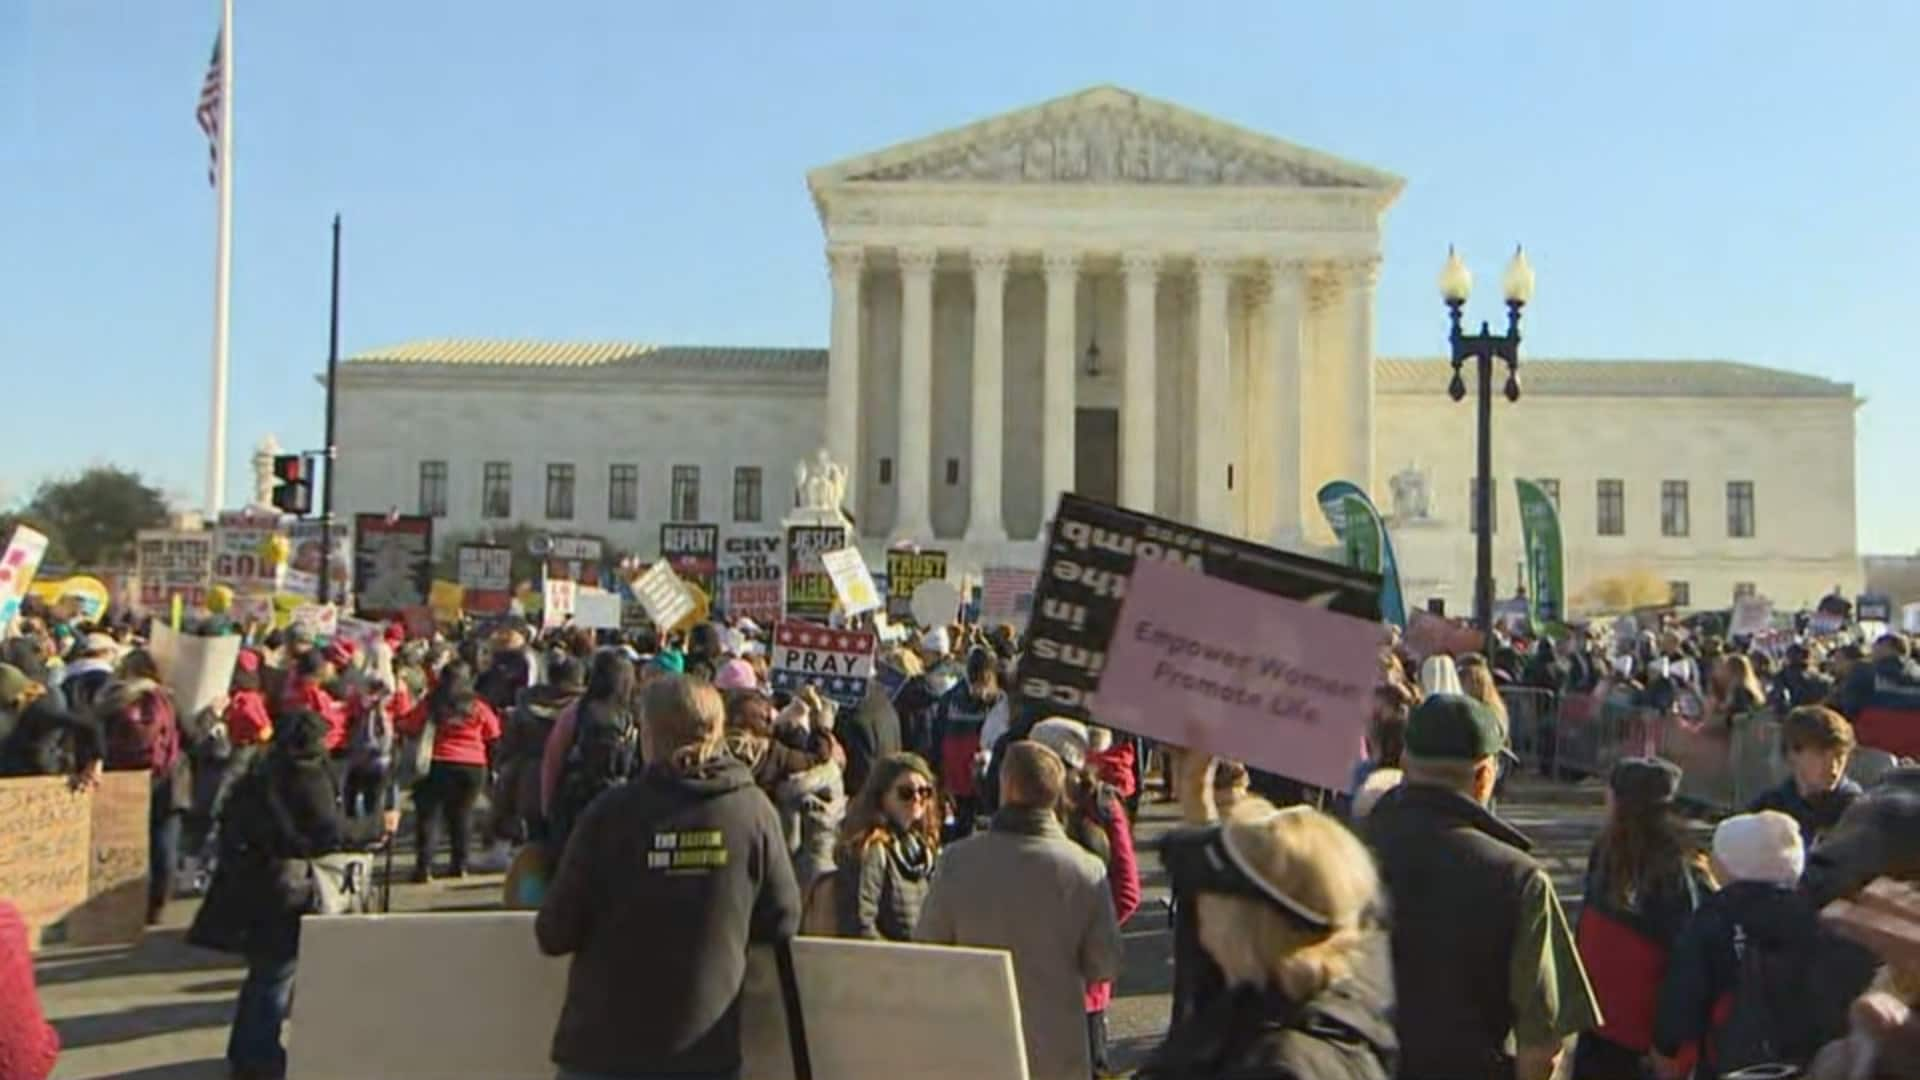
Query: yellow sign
x=702, y=607
x=89, y=595
x=446, y=598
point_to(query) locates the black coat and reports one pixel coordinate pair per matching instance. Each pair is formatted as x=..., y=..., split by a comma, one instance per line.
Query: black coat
x=1344, y=1033
x=867, y=733
x=1704, y=970
x=286, y=808
x=45, y=739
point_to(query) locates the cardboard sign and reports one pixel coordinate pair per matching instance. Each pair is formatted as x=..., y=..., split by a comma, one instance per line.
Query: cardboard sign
x=18, y=564
x=751, y=577
x=852, y=581
x=1092, y=551
x=557, y=598
x=75, y=863
x=694, y=553
x=485, y=575
x=173, y=563
x=963, y=1025
x=446, y=600
x=906, y=571
x=810, y=592
x=665, y=597
x=196, y=668
x=1276, y=683
x=392, y=562
x=839, y=662
x=596, y=609
x=1006, y=595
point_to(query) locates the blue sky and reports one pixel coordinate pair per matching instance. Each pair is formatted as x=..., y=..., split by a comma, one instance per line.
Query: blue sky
x=1697, y=180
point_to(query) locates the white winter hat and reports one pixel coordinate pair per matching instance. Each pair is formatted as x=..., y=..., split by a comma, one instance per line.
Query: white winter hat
x=1438, y=675
x=936, y=640
x=1065, y=737
x=1760, y=847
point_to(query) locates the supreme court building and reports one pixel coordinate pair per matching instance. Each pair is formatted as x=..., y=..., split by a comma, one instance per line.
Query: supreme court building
x=1117, y=296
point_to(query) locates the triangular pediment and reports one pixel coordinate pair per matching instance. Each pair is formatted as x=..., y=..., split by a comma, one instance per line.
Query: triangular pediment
x=1106, y=135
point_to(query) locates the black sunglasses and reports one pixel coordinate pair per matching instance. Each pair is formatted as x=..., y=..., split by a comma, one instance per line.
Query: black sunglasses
x=912, y=792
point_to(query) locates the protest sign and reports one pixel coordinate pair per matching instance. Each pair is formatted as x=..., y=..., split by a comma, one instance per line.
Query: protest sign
x=1751, y=614
x=75, y=863
x=596, y=609
x=852, y=581
x=173, y=563
x=935, y=603
x=1006, y=594
x=906, y=570
x=85, y=595
x=1873, y=607
x=485, y=575
x=665, y=597
x=1436, y=635
x=1910, y=618
x=573, y=558
x=320, y=620
x=963, y=1025
x=1093, y=548
x=839, y=662
x=694, y=552
x=392, y=562
x=18, y=564
x=242, y=547
x=557, y=597
x=1276, y=683
x=196, y=668
x=302, y=577
x=1824, y=623
x=750, y=577
x=363, y=634
x=810, y=592
x=447, y=600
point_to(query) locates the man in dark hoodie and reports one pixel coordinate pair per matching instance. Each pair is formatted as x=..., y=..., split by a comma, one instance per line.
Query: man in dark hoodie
x=665, y=882
x=516, y=790
x=510, y=668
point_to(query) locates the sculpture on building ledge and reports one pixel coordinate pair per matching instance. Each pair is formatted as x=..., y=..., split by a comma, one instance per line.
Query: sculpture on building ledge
x=263, y=479
x=1412, y=499
x=820, y=490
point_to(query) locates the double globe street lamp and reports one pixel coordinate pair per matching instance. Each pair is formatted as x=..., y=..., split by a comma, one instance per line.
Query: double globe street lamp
x=1456, y=282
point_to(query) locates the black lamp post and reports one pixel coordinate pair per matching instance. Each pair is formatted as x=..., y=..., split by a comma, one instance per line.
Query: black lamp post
x=1485, y=347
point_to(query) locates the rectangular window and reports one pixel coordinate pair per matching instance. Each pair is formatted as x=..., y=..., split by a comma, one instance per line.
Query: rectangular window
x=1679, y=594
x=1673, y=508
x=1473, y=506
x=684, y=504
x=623, y=492
x=1745, y=590
x=560, y=493
x=496, y=490
x=746, y=493
x=1552, y=488
x=1740, y=508
x=1611, y=513
x=953, y=471
x=886, y=470
x=433, y=488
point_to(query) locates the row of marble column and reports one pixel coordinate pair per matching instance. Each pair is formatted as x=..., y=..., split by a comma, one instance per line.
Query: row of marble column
x=1276, y=379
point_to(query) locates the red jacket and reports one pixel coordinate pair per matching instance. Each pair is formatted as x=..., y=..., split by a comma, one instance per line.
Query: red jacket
x=463, y=743
x=306, y=694
x=1114, y=766
x=28, y=1044
x=246, y=718
x=1123, y=879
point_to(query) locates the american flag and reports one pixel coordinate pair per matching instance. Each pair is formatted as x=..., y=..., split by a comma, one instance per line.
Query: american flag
x=208, y=112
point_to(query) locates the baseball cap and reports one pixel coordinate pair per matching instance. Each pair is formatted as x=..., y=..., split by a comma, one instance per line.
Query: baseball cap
x=1453, y=727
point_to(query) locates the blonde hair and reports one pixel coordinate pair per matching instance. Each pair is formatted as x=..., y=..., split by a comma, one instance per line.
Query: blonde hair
x=1315, y=860
x=682, y=721
x=1476, y=682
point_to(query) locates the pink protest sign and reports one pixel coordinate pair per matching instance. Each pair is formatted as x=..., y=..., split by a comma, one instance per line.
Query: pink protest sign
x=1278, y=684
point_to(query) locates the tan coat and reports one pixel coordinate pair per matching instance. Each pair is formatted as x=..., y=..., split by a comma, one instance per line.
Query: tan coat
x=1027, y=888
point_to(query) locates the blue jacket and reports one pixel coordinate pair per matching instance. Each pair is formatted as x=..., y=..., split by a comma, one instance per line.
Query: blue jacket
x=1814, y=816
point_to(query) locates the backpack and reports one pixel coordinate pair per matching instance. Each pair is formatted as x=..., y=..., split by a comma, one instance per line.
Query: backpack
x=1767, y=1021
x=603, y=755
x=371, y=746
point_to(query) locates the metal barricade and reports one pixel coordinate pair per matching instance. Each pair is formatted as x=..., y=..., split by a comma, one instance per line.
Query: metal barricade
x=1530, y=717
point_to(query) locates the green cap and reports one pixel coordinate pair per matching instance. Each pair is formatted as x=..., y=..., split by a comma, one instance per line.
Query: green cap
x=1453, y=727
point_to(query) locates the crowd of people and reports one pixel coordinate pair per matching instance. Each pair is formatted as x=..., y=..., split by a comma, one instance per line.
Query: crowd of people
x=662, y=808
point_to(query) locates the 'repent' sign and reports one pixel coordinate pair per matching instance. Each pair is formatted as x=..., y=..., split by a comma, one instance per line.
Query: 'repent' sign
x=839, y=662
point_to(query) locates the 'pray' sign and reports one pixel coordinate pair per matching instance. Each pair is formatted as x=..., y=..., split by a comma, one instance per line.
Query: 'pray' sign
x=839, y=662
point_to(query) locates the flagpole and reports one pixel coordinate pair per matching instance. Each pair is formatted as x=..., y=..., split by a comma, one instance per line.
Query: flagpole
x=222, y=273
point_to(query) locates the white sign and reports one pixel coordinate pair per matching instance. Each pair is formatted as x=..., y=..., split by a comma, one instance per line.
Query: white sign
x=961, y=1026
x=17, y=567
x=751, y=577
x=363, y=633
x=1750, y=616
x=320, y=620
x=485, y=566
x=1006, y=595
x=196, y=669
x=852, y=581
x=596, y=609
x=557, y=597
x=666, y=598
x=935, y=603
x=1910, y=618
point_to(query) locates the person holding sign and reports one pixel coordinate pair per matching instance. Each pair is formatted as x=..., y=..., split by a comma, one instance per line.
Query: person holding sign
x=464, y=729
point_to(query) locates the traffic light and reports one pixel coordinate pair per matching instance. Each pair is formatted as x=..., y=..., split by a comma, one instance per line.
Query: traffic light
x=293, y=494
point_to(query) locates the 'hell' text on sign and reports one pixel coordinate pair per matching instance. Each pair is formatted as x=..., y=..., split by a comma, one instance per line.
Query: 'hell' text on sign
x=839, y=662
x=809, y=588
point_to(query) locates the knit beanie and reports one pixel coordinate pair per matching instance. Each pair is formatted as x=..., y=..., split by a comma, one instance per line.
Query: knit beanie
x=1065, y=737
x=736, y=675
x=1760, y=847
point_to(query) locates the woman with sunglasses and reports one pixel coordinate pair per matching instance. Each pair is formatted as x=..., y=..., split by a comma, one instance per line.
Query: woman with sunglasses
x=887, y=850
x=1285, y=904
